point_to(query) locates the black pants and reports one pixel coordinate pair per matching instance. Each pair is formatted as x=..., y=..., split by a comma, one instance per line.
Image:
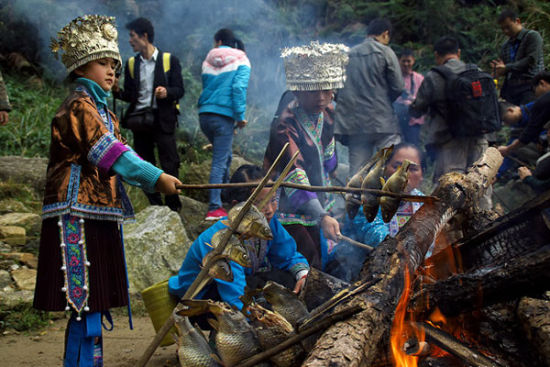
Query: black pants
x=144, y=144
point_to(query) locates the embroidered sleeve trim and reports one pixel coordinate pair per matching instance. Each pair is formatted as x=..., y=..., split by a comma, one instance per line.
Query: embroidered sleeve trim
x=106, y=151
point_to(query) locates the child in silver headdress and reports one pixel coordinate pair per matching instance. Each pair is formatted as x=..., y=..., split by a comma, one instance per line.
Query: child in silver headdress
x=81, y=266
x=312, y=73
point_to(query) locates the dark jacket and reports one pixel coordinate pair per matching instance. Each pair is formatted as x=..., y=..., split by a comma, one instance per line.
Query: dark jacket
x=540, y=115
x=166, y=114
x=528, y=60
x=431, y=99
x=373, y=82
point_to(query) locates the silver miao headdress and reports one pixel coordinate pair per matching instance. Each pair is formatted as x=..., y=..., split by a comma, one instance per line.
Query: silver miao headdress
x=317, y=66
x=87, y=38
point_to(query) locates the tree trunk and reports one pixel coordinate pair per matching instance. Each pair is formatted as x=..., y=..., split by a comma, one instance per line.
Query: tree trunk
x=353, y=342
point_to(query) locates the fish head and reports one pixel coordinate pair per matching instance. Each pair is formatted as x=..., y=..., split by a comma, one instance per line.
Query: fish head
x=221, y=270
x=260, y=229
x=277, y=294
x=239, y=254
x=387, y=216
x=230, y=320
x=269, y=319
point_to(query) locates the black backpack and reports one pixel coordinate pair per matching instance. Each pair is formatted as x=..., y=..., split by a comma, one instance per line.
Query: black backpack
x=472, y=101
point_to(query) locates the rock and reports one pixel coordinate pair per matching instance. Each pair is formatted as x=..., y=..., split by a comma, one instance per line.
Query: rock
x=155, y=246
x=28, y=259
x=24, y=278
x=30, y=171
x=236, y=162
x=5, y=279
x=31, y=222
x=11, y=205
x=12, y=299
x=197, y=173
x=192, y=213
x=13, y=235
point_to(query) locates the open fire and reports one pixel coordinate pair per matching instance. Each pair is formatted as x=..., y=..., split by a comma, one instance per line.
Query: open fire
x=408, y=341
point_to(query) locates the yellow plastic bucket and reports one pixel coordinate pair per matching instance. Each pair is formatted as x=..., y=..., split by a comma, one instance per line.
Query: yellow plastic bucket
x=160, y=304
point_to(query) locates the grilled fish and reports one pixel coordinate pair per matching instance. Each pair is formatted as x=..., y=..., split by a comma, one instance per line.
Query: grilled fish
x=372, y=181
x=221, y=270
x=396, y=183
x=272, y=329
x=253, y=223
x=285, y=302
x=235, y=249
x=193, y=349
x=353, y=200
x=236, y=339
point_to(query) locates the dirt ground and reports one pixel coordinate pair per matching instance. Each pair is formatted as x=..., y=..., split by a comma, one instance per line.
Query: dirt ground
x=122, y=347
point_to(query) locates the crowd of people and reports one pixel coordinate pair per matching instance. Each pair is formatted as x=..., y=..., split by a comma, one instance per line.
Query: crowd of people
x=365, y=98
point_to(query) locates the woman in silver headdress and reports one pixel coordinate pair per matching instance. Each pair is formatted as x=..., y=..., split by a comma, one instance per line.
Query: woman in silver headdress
x=312, y=73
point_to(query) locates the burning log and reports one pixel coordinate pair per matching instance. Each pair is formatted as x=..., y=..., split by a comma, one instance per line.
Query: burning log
x=354, y=341
x=526, y=275
x=453, y=346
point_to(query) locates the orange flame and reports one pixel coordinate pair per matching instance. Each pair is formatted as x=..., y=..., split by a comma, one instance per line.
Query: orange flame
x=402, y=331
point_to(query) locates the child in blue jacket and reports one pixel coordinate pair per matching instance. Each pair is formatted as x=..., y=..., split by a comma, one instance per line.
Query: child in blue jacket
x=276, y=259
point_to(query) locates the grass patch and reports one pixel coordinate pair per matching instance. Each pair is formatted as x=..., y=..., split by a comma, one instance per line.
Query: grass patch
x=24, y=318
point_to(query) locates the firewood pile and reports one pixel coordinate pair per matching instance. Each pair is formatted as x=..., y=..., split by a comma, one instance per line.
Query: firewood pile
x=482, y=301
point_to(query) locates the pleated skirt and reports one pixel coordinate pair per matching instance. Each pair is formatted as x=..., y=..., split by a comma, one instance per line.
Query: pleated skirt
x=108, y=285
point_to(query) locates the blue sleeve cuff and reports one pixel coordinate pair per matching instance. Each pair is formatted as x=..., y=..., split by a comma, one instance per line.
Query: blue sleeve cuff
x=136, y=171
x=239, y=116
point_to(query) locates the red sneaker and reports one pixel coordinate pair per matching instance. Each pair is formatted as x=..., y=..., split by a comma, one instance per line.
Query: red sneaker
x=216, y=214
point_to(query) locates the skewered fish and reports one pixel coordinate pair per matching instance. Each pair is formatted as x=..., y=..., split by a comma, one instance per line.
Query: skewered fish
x=372, y=181
x=193, y=348
x=235, y=338
x=273, y=329
x=253, y=223
x=396, y=184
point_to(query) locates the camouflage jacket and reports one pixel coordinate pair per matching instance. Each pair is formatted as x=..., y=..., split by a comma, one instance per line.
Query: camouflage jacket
x=4, y=100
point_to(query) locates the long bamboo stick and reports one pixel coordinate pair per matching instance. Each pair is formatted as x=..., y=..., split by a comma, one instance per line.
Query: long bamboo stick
x=279, y=181
x=204, y=271
x=406, y=197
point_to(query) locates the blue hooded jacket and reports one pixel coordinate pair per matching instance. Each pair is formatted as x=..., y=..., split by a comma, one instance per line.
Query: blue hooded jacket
x=225, y=75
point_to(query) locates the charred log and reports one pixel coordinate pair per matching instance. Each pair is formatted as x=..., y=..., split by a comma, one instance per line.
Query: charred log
x=320, y=287
x=354, y=341
x=523, y=276
x=535, y=318
x=455, y=347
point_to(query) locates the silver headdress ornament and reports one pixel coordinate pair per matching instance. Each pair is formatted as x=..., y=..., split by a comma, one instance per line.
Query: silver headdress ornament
x=85, y=39
x=317, y=66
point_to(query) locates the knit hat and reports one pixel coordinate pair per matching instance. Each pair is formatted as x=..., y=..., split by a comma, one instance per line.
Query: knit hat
x=315, y=66
x=85, y=39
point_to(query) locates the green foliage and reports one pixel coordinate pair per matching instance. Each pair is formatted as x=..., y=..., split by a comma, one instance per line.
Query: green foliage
x=34, y=105
x=23, y=318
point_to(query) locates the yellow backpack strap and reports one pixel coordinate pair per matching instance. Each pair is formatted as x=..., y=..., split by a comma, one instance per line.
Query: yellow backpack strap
x=131, y=63
x=166, y=67
x=166, y=62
